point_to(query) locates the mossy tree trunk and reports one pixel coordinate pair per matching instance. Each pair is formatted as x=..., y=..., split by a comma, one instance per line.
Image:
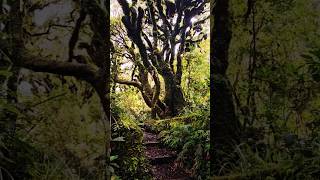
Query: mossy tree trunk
x=10, y=84
x=96, y=72
x=225, y=126
x=161, y=49
x=174, y=97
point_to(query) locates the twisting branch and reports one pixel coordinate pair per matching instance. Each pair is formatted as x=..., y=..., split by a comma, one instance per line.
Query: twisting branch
x=47, y=31
x=40, y=5
x=163, y=16
x=154, y=23
x=37, y=64
x=133, y=23
x=147, y=40
x=75, y=35
x=130, y=83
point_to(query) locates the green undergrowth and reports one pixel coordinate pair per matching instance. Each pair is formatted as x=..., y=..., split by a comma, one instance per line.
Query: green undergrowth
x=127, y=148
x=295, y=161
x=21, y=160
x=189, y=135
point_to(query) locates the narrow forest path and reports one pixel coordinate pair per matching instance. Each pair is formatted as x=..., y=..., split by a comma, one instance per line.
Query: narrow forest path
x=161, y=159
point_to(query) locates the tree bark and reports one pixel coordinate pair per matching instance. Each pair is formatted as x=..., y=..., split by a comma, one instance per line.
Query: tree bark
x=97, y=75
x=160, y=57
x=13, y=30
x=174, y=98
x=224, y=125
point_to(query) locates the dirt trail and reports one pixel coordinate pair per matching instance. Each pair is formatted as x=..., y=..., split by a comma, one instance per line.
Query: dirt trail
x=161, y=159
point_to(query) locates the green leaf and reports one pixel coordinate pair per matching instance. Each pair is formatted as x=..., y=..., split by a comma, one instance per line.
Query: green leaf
x=112, y=158
x=118, y=139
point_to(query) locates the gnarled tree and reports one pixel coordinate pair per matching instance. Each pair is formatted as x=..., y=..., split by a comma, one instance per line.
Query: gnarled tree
x=160, y=31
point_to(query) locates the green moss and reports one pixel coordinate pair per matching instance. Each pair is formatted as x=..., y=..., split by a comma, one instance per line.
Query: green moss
x=132, y=162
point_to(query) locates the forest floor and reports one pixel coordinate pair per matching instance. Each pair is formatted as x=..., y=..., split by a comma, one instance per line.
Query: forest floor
x=162, y=159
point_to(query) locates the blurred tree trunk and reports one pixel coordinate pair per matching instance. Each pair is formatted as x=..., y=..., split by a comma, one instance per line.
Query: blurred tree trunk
x=96, y=72
x=10, y=83
x=224, y=125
